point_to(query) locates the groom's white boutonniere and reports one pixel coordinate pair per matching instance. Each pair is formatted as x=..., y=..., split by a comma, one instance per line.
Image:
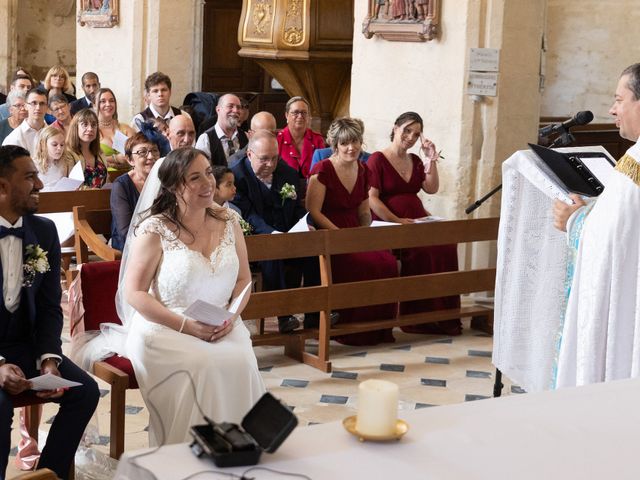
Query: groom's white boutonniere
x=36, y=262
x=288, y=191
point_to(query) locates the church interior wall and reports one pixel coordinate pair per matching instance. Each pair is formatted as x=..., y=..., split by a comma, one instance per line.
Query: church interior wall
x=588, y=44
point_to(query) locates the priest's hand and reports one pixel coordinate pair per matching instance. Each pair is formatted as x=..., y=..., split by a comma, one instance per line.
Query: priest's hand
x=562, y=211
x=12, y=379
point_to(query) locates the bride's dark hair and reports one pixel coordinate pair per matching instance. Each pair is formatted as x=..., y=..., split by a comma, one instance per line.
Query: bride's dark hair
x=172, y=174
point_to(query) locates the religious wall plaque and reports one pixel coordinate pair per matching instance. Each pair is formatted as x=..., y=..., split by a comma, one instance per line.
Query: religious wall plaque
x=98, y=13
x=403, y=20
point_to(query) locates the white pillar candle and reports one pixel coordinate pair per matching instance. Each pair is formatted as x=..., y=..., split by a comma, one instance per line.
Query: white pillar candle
x=377, y=407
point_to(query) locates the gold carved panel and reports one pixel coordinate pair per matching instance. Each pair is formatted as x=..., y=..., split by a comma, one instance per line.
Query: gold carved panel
x=259, y=22
x=293, y=27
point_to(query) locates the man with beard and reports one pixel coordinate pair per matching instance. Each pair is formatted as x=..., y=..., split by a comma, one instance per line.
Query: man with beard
x=90, y=85
x=224, y=138
x=31, y=317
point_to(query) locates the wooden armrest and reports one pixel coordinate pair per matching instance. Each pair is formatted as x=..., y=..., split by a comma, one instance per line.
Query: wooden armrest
x=87, y=237
x=110, y=374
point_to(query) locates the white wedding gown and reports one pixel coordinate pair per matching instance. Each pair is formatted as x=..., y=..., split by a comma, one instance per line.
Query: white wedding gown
x=225, y=373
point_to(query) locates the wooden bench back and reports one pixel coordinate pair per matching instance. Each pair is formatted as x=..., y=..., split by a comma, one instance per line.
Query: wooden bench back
x=52, y=202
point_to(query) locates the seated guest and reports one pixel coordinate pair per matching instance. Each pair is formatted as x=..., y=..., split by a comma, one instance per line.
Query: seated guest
x=323, y=153
x=224, y=139
x=186, y=249
x=17, y=113
x=50, y=157
x=30, y=343
x=141, y=152
x=297, y=142
x=110, y=128
x=395, y=177
x=157, y=90
x=59, y=107
x=337, y=197
x=262, y=181
x=83, y=145
x=57, y=81
x=182, y=132
x=90, y=85
x=25, y=135
x=260, y=121
x=225, y=187
x=21, y=83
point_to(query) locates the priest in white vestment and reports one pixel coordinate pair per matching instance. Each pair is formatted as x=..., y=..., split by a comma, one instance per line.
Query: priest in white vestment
x=601, y=332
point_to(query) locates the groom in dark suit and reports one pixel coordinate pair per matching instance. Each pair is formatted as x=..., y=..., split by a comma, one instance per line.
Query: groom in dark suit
x=268, y=195
x=31, y=317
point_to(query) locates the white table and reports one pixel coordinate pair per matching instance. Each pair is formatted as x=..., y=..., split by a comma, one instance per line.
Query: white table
x=576, y=433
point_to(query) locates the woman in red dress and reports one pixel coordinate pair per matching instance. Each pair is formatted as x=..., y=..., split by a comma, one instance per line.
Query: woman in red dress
x=337, y=198
x=396, y=177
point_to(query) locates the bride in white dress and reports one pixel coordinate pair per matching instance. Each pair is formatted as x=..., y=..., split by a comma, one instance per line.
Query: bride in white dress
x=187, y=249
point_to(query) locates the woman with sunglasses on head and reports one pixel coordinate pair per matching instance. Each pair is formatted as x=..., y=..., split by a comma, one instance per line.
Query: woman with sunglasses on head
x=83, y=145
x=111, y=130
x=296, y=141
x=59, y=108
x=57, y=81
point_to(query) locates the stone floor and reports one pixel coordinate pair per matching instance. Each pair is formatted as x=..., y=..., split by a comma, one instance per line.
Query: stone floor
x=430, y=370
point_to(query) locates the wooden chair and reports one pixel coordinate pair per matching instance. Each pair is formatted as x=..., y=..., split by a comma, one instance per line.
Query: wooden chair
x=98, y=284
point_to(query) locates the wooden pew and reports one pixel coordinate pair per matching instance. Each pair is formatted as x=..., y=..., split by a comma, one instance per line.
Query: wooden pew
x=89, y=226
x=330, y=296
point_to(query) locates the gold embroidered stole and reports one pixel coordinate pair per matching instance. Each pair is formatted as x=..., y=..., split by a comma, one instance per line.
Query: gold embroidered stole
x=628, y=166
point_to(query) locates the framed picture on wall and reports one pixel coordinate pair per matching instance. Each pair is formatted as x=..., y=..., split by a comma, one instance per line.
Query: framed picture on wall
x=98, y=13
x=402, y=20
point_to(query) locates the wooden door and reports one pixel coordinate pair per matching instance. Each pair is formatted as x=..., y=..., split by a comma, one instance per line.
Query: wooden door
x=222, y=69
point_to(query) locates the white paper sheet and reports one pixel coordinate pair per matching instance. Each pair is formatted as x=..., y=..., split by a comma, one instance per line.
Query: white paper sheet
x=76, y=172
x=301, y=226
x=66, y=184
x=429, y=218
x=210, y=314
x=64, y=224
x=380, y=223
x=51, y=382
x=119, y=139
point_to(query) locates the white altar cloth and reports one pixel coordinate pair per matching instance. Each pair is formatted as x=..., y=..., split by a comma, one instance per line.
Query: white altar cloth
x=575, y=433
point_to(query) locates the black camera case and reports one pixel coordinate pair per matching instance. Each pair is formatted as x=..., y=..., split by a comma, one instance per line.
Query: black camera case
x=265, y=427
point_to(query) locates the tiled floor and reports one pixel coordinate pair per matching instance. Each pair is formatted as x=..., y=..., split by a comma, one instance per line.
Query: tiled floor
x=430, y=370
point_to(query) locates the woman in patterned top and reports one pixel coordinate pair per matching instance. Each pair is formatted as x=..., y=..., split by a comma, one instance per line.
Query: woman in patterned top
x=83, y=145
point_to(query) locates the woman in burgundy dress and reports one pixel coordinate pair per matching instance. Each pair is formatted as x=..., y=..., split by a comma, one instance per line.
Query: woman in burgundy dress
x=396, y=177
x=337, y=198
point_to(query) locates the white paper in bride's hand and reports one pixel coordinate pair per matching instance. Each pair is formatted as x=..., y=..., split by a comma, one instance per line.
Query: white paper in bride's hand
x=51, y=382
x=301, y=226
x=119, y=139
x=380, y=223
x=428, y=219
x=76, y=172
x=210, y=314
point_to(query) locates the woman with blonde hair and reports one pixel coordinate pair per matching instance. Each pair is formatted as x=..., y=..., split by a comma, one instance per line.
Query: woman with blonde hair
x=58, y=81
x=50, y=157
x=110, y=128
x=83, y=145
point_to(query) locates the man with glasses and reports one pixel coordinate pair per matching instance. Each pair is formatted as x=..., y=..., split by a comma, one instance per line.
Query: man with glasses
x=224, y=138
x=21, y=83
x=260, y=178
x=260, y=121
x=18, y=111
x=90, y=85
x=26, y=134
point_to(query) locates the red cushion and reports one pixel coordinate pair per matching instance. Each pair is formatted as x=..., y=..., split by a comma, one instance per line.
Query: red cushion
x=123, y=364
x=99, y=286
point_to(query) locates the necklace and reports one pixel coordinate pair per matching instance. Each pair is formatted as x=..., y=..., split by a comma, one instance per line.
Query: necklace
x=108, y=124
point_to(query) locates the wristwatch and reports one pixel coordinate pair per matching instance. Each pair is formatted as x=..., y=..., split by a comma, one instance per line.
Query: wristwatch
x=2, y=361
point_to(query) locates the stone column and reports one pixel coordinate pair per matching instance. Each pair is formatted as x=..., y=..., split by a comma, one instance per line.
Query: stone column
x=8, y=41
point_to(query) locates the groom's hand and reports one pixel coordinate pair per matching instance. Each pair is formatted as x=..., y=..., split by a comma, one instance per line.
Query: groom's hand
x=12, y=379
x=49, y=365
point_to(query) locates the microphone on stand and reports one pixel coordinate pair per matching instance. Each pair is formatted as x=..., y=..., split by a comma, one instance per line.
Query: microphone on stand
x=565, y=138
x=580, y=118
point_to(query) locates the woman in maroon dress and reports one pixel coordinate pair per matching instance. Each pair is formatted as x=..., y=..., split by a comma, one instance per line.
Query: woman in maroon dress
x=337, y=198
x=396, y=177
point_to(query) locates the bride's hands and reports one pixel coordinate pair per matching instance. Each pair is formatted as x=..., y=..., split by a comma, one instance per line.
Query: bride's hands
x=208, y=333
